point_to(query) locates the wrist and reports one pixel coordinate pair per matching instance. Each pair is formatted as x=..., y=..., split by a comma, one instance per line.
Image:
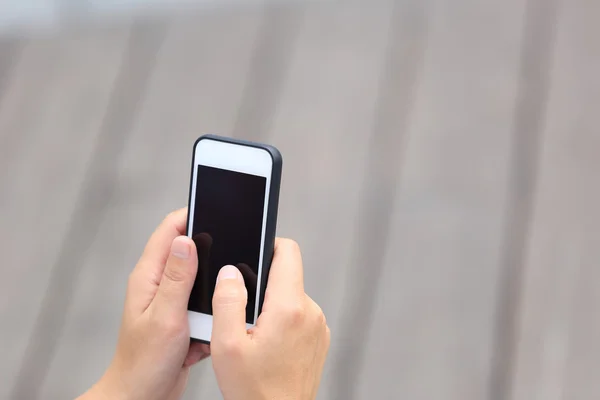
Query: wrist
x=97, y=392
x=107, y=388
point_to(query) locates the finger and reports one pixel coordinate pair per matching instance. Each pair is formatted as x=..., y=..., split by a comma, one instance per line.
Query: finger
x=196, y=353
x=178, y=278
x=250, y=280
x=229, y=309
x=286, y=277
x=146, y=276
x=156, y=252
x=204, y=243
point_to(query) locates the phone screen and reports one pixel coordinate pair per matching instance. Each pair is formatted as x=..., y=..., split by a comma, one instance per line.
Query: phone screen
x=227, y=229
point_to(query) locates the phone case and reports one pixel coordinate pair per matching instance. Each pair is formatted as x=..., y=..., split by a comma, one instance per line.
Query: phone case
x=271, y=227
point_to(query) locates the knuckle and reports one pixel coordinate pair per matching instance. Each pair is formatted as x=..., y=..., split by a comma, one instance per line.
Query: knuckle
x=228, y=347
x=229, y=294
x=168, y=325
x=294, y=313
x=320, y=317
x=176, y=274
x=171, y=326
x=317, y=312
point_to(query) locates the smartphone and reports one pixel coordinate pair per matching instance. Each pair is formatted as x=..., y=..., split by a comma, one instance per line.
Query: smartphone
x=232, y=216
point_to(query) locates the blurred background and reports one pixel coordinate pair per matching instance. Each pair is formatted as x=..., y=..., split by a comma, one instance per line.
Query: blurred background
x=441, y=164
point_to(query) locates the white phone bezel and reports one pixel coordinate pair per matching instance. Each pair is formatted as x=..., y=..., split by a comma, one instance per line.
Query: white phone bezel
x=238, y=158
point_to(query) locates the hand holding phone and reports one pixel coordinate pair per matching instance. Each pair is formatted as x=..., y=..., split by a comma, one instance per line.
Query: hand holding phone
x=153, y=354
x=278, y=353
x=282, y=357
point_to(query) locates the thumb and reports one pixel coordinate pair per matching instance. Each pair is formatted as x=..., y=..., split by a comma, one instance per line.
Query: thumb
x=178, y=278
x=229, y=308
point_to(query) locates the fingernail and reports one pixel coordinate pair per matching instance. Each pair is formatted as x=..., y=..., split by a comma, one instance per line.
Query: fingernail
x=180, y=248
x=228, y=272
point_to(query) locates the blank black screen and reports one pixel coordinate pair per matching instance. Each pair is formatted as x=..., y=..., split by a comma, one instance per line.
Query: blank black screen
x=227, y=227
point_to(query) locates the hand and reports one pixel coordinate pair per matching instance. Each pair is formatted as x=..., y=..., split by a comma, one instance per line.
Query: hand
x=154, y=354
x=282, y=357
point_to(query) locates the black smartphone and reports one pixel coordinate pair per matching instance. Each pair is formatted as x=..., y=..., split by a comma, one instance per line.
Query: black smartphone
x=232, y=216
